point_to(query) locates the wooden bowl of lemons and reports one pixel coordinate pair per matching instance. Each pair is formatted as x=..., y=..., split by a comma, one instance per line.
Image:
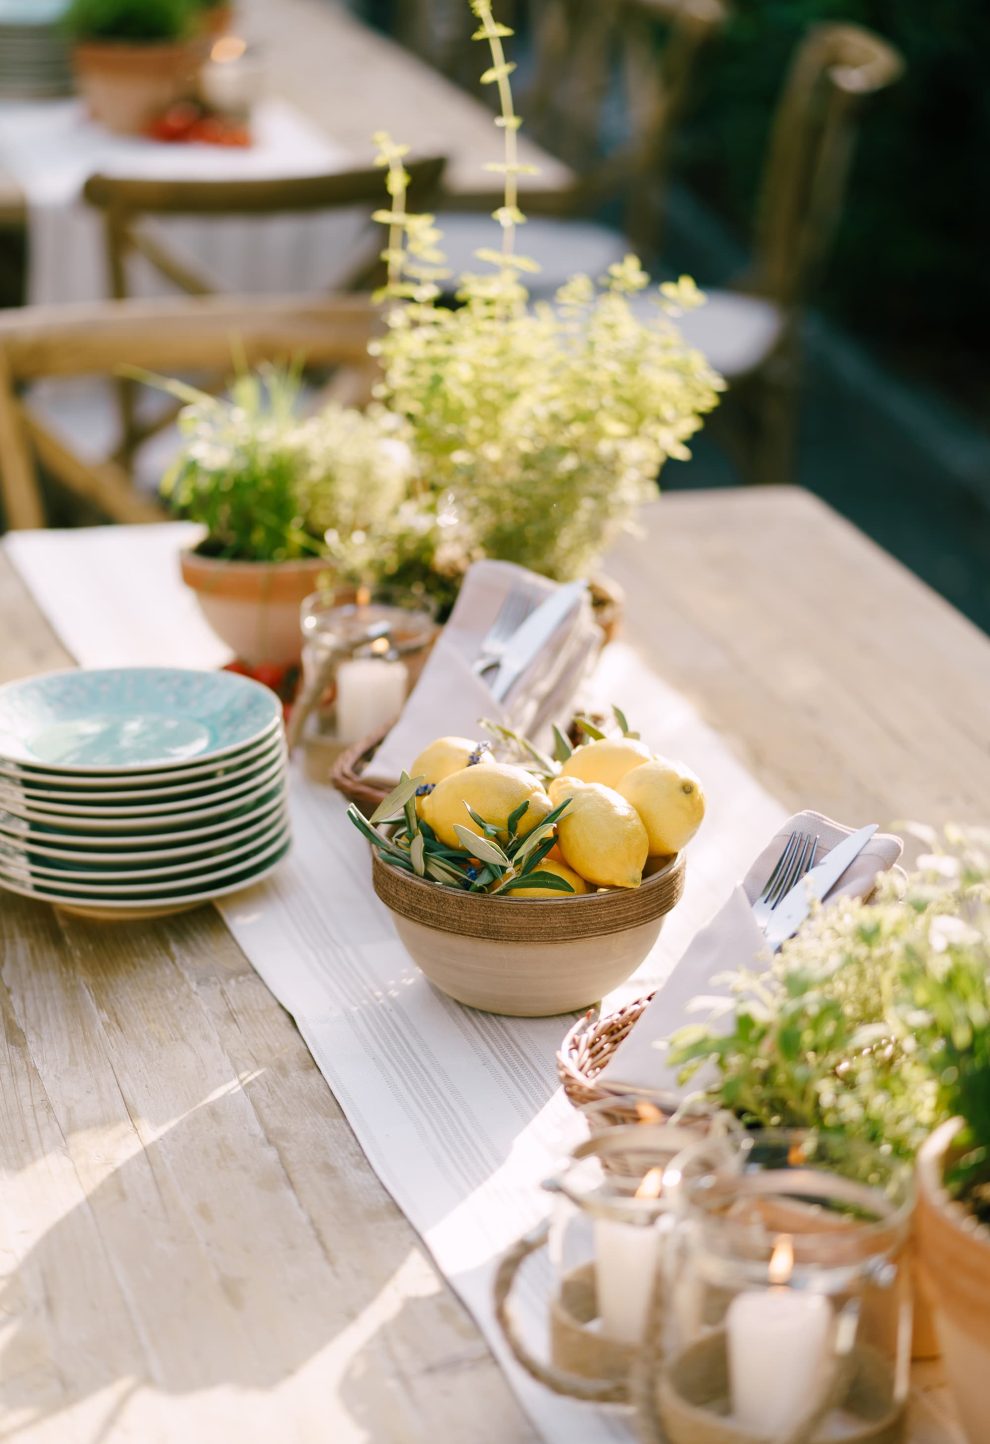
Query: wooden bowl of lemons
x=533, y=890
x=528, y=957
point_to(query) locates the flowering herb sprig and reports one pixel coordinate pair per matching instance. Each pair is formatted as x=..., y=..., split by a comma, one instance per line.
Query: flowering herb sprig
x=481, y=864
x=539, y=429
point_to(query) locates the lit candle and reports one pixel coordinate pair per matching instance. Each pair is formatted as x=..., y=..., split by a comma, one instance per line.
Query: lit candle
x=231, y=79
x=626, y=1261
x=778, y=1345
x=370, y=694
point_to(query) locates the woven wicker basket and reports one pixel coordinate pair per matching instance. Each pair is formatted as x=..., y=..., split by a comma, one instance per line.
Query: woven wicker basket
x=585, y=1051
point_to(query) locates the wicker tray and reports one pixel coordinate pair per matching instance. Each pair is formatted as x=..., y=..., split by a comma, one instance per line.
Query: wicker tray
x=585, y=1051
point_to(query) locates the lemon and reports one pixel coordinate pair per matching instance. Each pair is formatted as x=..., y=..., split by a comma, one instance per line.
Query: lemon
x=559, y=869
x=600, y=835
x=493, y=792
x=606, y=760
x=669, y=798
x=444, y=756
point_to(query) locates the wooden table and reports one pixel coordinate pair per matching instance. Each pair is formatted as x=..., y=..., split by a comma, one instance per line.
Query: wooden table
x=351, y=81
x=156, y=1103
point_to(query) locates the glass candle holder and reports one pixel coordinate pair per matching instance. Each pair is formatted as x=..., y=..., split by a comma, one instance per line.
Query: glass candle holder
x=607, y=1236
x=788, y=1293
x=362, y=653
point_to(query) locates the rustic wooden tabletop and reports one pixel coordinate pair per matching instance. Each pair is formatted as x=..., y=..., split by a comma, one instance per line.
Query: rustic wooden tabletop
x=168, y=1146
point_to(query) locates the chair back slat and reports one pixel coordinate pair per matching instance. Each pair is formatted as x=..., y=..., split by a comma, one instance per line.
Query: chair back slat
x=811, y=144
x=585, y=51
x=212, y=334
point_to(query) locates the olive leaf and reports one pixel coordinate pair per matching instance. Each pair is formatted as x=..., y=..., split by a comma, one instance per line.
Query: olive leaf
x=417, y=850
x=481, y=847
x=394, y=804
x=589, y=729
x=562, y=749
x=549, y=880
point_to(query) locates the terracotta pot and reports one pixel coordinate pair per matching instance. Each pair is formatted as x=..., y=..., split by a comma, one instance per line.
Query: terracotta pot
x=955, y=1259
x=528, y=957
x=254, y=606
x=215, y=21
x=127, y=86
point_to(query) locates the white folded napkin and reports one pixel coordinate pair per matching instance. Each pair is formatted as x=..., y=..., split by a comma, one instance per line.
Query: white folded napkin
x=449, y=699
x=731, y=941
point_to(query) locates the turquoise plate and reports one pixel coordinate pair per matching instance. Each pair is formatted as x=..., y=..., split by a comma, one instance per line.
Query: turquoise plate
x=130, y=719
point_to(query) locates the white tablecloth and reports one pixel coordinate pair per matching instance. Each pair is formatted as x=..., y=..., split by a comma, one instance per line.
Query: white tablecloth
x=51, y=147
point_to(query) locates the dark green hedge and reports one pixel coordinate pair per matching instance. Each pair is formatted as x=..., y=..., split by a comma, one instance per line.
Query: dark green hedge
x=911, y=259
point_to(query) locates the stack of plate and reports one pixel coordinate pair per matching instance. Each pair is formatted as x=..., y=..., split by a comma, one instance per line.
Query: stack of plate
x=34, y=52
x=139, y=791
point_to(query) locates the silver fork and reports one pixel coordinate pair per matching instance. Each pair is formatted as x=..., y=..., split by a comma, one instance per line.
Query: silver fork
x=796, y=859
x=516, y=607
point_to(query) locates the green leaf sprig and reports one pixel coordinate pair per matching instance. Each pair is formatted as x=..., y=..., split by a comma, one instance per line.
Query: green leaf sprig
x=481, y=864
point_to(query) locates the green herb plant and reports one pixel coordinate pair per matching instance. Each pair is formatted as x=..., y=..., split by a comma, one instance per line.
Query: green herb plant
x=874, y=1020
x=540, y=428
x=272, y=485
x=139, y=21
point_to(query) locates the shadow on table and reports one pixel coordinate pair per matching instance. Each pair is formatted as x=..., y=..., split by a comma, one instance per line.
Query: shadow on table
x=213, y=1224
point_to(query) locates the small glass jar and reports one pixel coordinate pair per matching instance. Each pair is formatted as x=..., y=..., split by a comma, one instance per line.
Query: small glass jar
x=787, y=1293
x=607, y=1235
x=363, y=649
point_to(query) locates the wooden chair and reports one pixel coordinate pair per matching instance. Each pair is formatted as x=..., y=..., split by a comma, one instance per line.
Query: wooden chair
x=751, y=333
x=167, y=336
x=126, y=204
x=582, y=46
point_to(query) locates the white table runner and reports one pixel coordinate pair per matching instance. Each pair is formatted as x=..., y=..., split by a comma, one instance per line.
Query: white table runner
x=52, y=148
x=457, y=1111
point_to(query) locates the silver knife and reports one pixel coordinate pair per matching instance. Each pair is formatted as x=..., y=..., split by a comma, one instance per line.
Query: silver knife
x=529, y=639
x=792, y=910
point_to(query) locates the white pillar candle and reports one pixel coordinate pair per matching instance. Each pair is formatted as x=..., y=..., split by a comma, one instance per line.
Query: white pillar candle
x=627, y=1256
x=626, y=1260
x=778, y=1346
x=370, y=694
x=231, y=80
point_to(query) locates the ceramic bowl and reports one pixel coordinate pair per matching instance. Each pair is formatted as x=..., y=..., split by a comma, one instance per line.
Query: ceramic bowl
x=528, y=957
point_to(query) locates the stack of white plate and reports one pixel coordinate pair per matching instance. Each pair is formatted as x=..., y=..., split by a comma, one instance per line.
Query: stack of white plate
x=34, y=51
x=138, y=791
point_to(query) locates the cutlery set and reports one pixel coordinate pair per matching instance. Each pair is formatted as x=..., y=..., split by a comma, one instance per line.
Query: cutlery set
x=796, y=882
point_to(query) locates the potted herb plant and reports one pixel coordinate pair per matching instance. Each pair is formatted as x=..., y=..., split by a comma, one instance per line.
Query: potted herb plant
x=284, y=499
x=874, y=1022
x=538, y=429
x=133, y=58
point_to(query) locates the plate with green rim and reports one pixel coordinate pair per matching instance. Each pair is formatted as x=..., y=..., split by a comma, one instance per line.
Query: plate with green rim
x=121, y=806
x=83, y=783
x=168, y=891
x=26, y=847
x=131, y=719
x=151, y=818
x=84, y=837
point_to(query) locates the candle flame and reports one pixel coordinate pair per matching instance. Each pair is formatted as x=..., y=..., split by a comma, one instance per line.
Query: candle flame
x=781, y=1261
x=380, y=646
x=652, y=1184
x=227, y=48
x=648, y=1112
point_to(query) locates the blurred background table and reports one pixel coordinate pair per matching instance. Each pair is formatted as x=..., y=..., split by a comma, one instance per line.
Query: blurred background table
x=172, y=1155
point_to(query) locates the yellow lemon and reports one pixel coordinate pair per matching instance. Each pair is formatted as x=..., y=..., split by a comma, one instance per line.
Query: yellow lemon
x=600, y=835
x=668, y=797
x=493, y=792
x=607, y=760
x=559, y=869
x=447, y=755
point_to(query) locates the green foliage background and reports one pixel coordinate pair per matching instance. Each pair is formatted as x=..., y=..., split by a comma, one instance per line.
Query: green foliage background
x=910, y=264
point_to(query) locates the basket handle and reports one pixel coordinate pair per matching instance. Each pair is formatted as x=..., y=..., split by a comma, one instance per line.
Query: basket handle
x=573, y=1385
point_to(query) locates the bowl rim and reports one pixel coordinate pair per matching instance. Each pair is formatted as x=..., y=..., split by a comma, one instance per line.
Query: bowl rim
x=549, y=919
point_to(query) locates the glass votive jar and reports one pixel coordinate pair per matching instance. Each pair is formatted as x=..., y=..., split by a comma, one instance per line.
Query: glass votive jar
x=363, y=650
x=607, y=1235
x=787, y=1293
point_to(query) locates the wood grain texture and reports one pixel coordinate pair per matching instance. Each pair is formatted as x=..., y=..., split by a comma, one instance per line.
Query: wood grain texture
x=352, y=81
x=192, y=1245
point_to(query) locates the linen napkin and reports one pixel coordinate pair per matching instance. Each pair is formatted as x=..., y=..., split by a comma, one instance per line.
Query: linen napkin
x=732, y=940
x=449, y=699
